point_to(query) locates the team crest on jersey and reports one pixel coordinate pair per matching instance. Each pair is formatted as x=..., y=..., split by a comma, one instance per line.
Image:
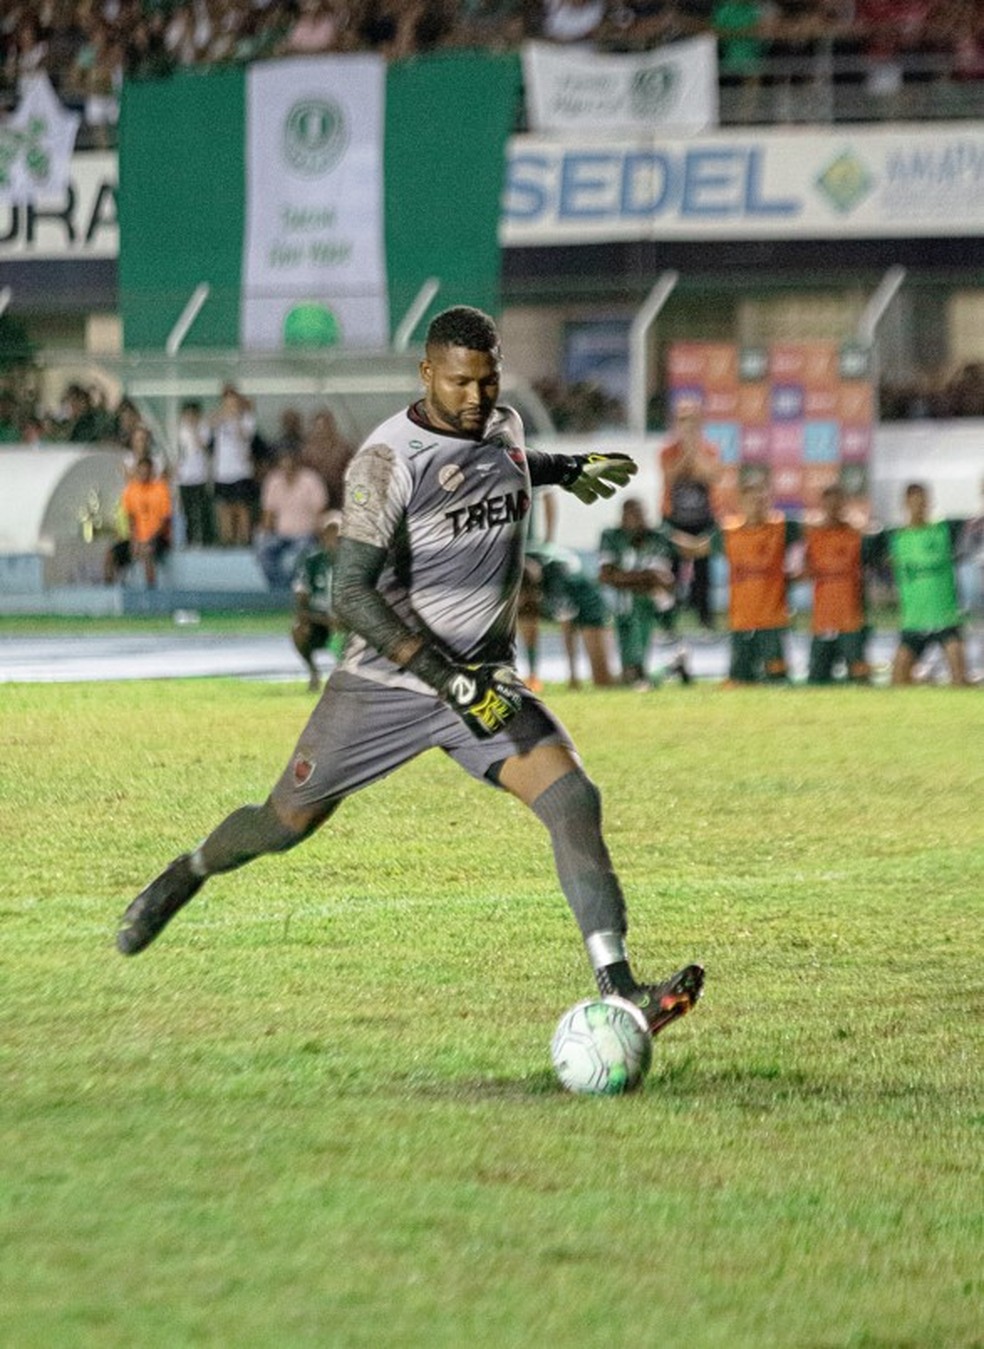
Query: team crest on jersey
x=450, y=477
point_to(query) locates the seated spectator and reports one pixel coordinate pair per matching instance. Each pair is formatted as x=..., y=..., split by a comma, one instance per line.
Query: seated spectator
x=82, y=423
x=491, y=24
x=146, y=502
x=572, y=20
x=293, y=500
x=10, y=431
x=889, y=30
x=320, y=26
x=742, y=27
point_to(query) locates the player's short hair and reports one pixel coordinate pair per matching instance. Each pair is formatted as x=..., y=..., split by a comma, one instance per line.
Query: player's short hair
x=463, y=326
x=912, y=488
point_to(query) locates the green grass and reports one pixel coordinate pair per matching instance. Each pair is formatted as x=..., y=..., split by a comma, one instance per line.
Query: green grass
x=320, y=1111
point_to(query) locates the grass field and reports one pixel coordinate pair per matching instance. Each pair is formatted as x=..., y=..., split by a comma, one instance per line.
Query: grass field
x=320, y=1111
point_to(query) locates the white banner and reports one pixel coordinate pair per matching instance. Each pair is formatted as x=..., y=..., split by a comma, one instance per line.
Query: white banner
x=36, y=145
x=843, y=183
x=572, y=89
x=314, y=271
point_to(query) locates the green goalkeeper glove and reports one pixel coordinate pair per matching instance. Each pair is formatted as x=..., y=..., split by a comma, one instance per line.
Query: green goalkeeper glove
x=590, y=476
x=485, y=697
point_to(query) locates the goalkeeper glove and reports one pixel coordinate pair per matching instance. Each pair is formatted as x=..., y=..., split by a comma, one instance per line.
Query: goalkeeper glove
x=590, y=476
x=485, y=697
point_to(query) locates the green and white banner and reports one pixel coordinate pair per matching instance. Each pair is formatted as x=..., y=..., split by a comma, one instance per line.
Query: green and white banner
x=313, y=196
x=577, y=90
x=315, y=267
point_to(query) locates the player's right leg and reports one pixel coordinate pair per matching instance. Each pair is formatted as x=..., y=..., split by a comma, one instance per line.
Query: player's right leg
x=550, y=780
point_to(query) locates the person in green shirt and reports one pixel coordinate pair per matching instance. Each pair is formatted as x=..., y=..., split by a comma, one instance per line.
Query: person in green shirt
x=314, y=628
x=636, y=562
x=922, y=557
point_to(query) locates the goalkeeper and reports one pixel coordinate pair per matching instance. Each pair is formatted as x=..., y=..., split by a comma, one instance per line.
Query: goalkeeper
x=426, y=582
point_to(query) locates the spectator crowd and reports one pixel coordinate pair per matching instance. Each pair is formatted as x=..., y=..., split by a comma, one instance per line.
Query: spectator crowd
x=86, y=46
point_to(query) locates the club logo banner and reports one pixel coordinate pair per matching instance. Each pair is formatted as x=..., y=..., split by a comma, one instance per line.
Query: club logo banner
x=36, y=145
x=671, y=88
x=314, y=269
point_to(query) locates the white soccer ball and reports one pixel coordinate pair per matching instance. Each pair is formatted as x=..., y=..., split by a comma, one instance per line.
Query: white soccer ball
x=602, y=1047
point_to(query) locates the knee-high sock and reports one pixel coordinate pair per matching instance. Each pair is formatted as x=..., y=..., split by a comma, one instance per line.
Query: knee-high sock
x=247, y=833
x=571, y=810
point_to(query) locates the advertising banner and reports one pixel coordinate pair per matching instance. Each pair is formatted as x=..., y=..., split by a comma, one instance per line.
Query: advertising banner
x=846, y=182
x=801, y=412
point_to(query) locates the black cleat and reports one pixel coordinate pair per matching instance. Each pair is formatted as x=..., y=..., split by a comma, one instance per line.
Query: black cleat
x=156, y=905
x=662, y=1003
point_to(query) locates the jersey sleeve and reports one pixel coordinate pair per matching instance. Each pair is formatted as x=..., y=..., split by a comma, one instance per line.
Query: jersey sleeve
x=377, y=489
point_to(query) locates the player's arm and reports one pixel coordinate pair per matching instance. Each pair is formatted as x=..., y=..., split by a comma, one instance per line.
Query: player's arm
x=484, y=696
x=692, y=545
x=587, y=476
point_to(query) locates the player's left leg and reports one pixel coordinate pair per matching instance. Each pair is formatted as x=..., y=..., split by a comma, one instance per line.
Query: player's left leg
x=953, y=651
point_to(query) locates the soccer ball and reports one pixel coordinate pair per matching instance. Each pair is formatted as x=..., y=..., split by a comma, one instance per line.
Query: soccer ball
x=602, y=1047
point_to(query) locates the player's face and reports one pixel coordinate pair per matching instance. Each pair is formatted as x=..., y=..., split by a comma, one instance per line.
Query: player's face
x=460, y=388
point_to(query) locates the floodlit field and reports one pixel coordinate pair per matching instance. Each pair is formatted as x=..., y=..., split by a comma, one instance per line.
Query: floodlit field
x=320, y=1111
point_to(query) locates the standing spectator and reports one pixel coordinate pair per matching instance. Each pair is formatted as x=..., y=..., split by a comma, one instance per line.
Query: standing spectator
x=691, y=469
x=835, y=556
x=233, y=428
x=636, y=561
x=328, y=452
x=922, y=557
x=755, y=544
x=146, y=502
x=314, y=626
x=293, y=500
x=194, y=475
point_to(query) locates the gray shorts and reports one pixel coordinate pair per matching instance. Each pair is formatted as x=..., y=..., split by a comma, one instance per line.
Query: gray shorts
x=360, y=731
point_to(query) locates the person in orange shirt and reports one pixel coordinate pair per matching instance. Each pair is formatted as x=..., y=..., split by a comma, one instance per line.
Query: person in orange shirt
x=691, y=469
x=147, y=504
x=755, y=544
x=834, y=559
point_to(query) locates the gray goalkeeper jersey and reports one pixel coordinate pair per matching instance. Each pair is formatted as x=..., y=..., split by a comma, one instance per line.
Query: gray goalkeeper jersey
x=452, y=514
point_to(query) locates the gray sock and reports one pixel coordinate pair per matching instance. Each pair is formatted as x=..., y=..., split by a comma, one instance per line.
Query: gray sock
x=571, y=810
x=247, y=833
